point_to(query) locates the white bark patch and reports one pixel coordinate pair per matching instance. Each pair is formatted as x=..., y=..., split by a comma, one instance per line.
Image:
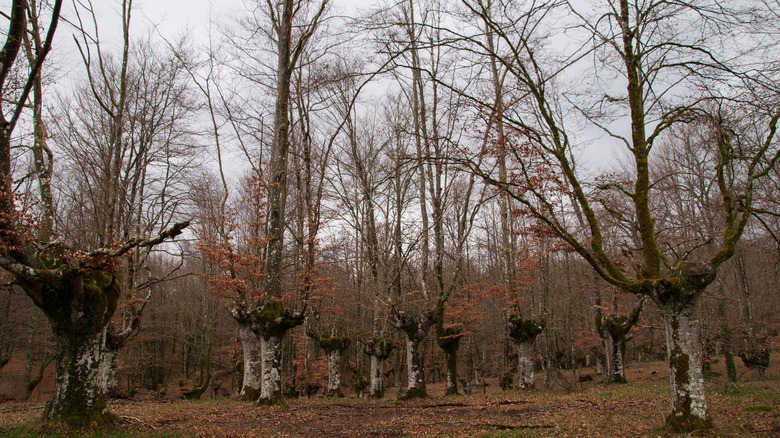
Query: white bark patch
x=334, y=372
x=253, y=364
x=414, y=365
x=617, y=359
x=377, y=382
x=108, y=379
x=271, y=386
x=525, y=365
x=77, y=383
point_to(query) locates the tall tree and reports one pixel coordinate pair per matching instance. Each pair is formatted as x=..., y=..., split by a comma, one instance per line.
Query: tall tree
x=637, y=42
x=77, y=290
x=286, y=16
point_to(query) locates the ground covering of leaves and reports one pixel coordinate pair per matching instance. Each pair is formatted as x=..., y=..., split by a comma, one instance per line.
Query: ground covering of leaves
x=752, y=408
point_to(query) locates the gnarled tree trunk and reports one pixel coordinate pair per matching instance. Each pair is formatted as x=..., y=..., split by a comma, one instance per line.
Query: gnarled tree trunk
x=523, y=333
x=378, y=350
x=334, y=346
x=78, y=397
x=271, y=322
x=416, y=329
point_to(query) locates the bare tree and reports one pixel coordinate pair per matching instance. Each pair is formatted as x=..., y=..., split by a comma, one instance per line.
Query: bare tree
x=52, y=275
x=633, y=41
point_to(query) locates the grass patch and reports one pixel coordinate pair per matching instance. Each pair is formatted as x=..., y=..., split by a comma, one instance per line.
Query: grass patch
x=759, y=409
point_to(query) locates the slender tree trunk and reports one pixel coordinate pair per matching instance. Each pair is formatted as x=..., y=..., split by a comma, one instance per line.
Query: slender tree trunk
x=689, y=406
x=252, y=369
x=271, y=385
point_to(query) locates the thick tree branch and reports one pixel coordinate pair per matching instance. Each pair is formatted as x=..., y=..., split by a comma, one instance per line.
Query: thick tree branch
x=139, y=242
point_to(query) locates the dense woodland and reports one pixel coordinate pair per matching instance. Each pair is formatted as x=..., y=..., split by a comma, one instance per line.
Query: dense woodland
x=314, y=199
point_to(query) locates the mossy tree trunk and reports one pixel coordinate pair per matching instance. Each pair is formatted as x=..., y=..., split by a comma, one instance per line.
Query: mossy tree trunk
x=78, y=398
x=333, y=346
x=79, y=307
x=271, y=381
x=271, y=322
x=415, y=364
x=683, y=339
x=525, y=364
x=449, y=341
x=678, y=300
x=523, y=332
x=334, y=356
x=415, y=329
x=615, y=331
x=378, y=349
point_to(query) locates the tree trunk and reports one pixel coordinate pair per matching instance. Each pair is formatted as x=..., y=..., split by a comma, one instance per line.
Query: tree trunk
x=450, y=347
x=108, y=377
x=271, y=385
x=378, y=349
x=525, y=364
x=618, y=347
x=252, y=369
x=377, y=385
x=78, y=397
x=415, y=364
x=689, y=406
x=523, y=332
x=334, y=373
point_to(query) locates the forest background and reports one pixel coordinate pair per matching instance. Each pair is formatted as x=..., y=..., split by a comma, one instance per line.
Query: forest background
x=471, y=190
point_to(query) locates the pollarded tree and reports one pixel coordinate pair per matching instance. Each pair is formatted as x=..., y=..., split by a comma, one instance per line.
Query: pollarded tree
x=128, y=183
x=667, y=78
x=77, y=290
x=292, y=24
x=231, y=240
x=614, y=330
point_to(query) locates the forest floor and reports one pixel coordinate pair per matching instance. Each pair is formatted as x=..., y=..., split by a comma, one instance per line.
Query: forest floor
x=592, y=409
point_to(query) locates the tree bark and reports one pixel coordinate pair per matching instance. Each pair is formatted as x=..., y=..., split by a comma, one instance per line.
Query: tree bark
x=415, y=363
x=78, y=397
x=523, y=333
x=271, y=384
x=252, y=369
x=378, y=349
x=525, y=364
x=689, y=406
x=108, y=377
x=450, y=346
x=416, y=329
x=334, y=373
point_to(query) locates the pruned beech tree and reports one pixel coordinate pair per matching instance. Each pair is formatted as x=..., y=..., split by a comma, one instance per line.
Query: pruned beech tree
x=292, y=24
x=333, y=344
x=523, y=333
x=614, y=329
x=77, y=290
x=637, y=43
x=121, y=180
x=232, y=240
